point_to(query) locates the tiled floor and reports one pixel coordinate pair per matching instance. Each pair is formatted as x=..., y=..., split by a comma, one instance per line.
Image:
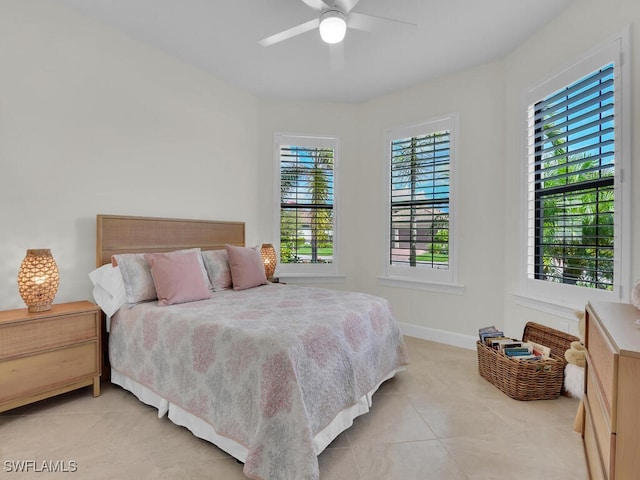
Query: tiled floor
x=437, y=420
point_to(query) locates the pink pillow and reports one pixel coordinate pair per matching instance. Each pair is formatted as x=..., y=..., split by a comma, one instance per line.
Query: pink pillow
x=247, y=269
x=177, y=278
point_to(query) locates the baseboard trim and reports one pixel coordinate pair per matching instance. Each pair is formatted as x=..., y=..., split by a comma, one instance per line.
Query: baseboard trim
x=440, y=336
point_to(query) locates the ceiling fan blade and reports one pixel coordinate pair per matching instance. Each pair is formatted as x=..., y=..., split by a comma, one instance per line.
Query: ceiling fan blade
x=346, y=5
x=315, y=4
x=336, y=51
x=361, y=21
x=290, y=33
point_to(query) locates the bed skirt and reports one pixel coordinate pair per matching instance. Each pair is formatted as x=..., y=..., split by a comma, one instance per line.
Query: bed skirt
x=204, y=430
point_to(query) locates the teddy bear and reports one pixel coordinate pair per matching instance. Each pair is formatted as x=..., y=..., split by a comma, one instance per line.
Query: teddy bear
x=576, y=354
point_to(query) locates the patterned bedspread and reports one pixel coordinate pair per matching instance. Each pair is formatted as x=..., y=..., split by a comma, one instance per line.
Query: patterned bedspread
x=268, y=367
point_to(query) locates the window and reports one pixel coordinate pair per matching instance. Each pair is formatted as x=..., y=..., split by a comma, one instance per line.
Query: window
x=306, y=203
x=574, y=183
x=420, y=206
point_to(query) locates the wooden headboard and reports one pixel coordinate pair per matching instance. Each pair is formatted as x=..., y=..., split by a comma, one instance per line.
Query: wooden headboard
x=123, y=234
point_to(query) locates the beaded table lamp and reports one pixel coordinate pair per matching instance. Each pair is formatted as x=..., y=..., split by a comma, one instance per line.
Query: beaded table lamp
x=269, y=259
x=38, y=280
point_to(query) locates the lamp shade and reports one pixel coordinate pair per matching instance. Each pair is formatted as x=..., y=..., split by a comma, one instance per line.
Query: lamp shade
x=333, y=26
x=269, y=259
x=38, y=280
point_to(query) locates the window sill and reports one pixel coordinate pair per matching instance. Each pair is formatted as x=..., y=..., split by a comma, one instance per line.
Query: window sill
x=310, y=278
x=549, y=306
x=400, y=282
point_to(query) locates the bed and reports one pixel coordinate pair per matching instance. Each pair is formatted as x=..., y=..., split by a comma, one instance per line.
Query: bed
x=271, y=374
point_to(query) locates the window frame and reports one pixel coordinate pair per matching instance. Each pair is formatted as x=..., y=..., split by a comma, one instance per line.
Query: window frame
x=424, y=277
x=546, y=294
x=313, y=272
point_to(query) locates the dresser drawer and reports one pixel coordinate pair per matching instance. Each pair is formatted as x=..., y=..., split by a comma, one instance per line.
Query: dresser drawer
x=603, y=360
x=594, y=462
x=597, y=414
x=45, y=333
x=24, y=376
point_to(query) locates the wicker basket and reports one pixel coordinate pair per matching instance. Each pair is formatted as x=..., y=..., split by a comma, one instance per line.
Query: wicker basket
x=528, y=379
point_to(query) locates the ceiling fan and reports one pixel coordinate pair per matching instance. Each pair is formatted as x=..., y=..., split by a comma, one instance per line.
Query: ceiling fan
x=334, y=19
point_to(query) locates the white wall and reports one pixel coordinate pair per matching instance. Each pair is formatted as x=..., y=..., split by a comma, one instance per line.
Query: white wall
x=92, y=121
x=582, y=27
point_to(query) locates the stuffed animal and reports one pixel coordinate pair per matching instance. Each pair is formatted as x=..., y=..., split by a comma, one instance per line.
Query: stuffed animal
x=576, y=361
x=576, y=354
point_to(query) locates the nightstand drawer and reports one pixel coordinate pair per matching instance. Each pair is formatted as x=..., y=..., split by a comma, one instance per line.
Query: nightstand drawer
x=603, y=360
x=45, y=333
x=24, y=376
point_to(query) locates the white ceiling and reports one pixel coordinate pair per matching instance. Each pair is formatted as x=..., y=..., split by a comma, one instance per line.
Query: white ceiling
x=221, y=37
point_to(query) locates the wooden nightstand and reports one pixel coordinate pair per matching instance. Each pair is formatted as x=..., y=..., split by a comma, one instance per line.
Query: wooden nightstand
x=48, y=353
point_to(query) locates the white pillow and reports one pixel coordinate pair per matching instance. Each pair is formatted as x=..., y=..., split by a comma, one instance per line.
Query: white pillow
x=108, y=291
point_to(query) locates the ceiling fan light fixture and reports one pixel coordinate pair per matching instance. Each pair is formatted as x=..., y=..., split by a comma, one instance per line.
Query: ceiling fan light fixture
x=333, y=26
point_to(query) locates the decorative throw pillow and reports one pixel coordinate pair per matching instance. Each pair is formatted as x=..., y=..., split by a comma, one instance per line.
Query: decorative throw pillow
x=178, y=278
x=138, y=283
x=217, y=264
x=247, y=269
